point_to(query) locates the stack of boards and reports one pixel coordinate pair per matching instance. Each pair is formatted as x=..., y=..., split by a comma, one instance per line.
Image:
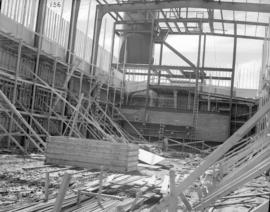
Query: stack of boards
x=91, y=154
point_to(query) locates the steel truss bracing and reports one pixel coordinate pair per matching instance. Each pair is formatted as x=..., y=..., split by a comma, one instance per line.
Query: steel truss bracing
x=184, y=17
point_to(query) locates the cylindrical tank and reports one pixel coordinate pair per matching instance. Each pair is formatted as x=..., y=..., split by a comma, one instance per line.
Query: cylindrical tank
x=138, y=43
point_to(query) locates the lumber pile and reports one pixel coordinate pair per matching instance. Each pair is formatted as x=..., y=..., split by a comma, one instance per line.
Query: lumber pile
x=91, y=154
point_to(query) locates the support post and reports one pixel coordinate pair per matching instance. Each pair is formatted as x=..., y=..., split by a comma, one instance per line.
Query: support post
x=95, y=44
x=175, y=94
x=196, y=92
x=61, y=194
x=233, y=73
x=47, y=183
x=203, y=59
x=72, y=29
x=38, y=44
x=173, y=200
x=111, y=72
x=41, y=12
x=150, y=63
x=100, y=184
x=160, y=62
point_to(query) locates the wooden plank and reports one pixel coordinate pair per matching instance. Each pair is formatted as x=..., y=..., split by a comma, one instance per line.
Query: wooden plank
x=77, y=147
x=88, y=193
x=149, y=158
x=165, y=185
x=93, y=153
x=94, y=157
x=94, y=143
x=72, y=139
x=129, y=167
x=92, y=160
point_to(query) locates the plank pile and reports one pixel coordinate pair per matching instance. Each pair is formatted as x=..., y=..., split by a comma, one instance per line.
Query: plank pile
x=91, y=154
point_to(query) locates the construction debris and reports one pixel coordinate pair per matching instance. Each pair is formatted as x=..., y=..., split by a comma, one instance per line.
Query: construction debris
x=149, y=158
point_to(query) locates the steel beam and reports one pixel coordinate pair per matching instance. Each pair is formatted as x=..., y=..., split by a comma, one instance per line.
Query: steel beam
x=158, y=5
x=233, y=72
x=218, y=34
x=180, y=55
x=41, y=13
x=178, y=76
x=72, y=29
x=162, y=67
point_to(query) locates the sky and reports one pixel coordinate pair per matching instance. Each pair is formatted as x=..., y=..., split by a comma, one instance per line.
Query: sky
x=219, y=51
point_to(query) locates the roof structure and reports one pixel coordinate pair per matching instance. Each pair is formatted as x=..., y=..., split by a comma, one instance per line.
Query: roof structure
x=189, y=17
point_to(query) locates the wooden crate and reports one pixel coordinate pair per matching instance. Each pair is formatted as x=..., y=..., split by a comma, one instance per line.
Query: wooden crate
x=91, y=154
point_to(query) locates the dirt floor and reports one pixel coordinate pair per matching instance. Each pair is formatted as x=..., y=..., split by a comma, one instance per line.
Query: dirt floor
x=22, y=181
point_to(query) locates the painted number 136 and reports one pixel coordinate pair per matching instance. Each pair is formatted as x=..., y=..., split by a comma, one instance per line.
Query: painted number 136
x=55, y=4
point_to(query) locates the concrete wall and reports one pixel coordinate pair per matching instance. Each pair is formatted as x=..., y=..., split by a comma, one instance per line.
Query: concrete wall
x=210, y=126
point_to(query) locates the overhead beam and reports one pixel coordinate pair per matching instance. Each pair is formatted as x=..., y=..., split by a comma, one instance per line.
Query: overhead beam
x=178, y=76
x=196, y=20
x=162, y=67
x=218, y=34
x=180, y=55
x=158, y=5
